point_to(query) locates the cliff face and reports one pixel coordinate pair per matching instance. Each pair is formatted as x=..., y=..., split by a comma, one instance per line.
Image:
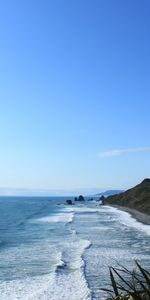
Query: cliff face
x=137, y=197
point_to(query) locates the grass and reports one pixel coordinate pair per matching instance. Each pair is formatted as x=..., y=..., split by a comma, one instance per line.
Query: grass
x=129, y=285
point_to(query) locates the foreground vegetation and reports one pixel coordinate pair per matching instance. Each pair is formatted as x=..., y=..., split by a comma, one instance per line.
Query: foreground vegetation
x=129, y=285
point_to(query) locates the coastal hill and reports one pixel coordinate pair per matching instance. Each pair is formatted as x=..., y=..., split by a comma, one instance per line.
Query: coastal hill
x=137, y=197
x=109, y=193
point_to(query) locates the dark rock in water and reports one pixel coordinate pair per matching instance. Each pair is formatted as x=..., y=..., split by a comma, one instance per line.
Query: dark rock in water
x=61, y=268
x=69, y=202
x=102, y=199
x=80, y=198
x=75, y=199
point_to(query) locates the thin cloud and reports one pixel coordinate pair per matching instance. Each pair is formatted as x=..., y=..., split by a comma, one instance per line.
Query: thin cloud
x=119, y=152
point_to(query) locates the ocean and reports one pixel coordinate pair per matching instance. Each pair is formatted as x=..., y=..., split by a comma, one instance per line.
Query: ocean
x=53, y=251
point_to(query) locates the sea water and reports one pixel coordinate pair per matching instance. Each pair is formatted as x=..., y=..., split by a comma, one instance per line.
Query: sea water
x=53, y=251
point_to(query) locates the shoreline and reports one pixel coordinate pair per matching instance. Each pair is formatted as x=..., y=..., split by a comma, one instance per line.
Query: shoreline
x=139, y=216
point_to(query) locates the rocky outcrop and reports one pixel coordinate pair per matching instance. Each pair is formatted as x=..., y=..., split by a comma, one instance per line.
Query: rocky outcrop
x=69, y=202
x=80, y=198
x=102, y=200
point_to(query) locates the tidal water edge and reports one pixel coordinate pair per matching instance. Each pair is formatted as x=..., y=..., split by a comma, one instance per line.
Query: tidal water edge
x=49, y=250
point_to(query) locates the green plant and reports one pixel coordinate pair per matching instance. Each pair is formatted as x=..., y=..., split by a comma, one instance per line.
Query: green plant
x=129, y=285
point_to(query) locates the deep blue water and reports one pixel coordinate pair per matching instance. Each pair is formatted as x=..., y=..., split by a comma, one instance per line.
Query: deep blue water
x=52, y=251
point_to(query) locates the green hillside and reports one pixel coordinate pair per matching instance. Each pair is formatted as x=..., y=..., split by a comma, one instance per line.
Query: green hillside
x=137, y=197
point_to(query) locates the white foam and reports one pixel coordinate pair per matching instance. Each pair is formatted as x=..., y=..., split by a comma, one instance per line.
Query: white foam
x=47, y=287
x=126, y=219
x=55, y=285
x=66, y=216
x=85, y=209
x=73, y=253
x=55, y=218
x=71, y=286
x=27, y=259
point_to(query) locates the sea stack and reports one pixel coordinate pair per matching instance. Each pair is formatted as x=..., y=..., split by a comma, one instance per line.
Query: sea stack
x=69, y=202
x=80, y=198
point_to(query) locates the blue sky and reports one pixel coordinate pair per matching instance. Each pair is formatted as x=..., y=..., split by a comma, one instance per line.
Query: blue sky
x=74, y=93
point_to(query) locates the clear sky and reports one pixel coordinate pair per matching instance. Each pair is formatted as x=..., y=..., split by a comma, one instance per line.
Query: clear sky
x=74, y=93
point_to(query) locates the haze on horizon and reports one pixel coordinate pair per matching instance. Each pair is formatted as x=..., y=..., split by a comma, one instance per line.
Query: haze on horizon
x=74, y=95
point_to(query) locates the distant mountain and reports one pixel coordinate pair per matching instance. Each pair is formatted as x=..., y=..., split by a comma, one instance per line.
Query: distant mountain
x=137, y=197
x=109, y=193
